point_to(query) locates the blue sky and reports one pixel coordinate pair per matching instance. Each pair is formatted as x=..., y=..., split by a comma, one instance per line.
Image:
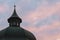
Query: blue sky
x=41, y=17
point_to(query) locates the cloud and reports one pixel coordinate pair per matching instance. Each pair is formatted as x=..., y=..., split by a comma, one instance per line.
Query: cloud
x=42, y=12
x=3, y=8
x=46, y=32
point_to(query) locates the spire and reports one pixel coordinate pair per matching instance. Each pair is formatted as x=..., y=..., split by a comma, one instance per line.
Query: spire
x=14, y=19
x=14, y=13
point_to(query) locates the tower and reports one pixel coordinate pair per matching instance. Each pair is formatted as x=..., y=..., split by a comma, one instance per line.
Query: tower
x=14, y=31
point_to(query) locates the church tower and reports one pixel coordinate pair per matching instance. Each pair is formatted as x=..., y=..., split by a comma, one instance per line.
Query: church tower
x=14, y=31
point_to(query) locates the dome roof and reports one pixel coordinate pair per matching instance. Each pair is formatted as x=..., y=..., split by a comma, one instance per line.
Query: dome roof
x=14, y=31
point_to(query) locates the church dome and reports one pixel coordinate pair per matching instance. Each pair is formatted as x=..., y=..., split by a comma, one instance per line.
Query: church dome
x=14, y=31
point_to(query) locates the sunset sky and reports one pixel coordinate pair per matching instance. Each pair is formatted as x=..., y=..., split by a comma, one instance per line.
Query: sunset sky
x=41, y=17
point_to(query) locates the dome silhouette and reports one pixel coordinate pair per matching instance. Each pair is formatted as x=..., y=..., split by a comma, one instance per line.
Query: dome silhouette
x=14, y=31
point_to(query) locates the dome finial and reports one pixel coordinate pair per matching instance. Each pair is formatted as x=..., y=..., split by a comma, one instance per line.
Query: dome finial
x=14, y=19
x=14, y=6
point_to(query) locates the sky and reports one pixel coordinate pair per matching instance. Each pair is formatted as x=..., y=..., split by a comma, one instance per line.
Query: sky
x=41, y=17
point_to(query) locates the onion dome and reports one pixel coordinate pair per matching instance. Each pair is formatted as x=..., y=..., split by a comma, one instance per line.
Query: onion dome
x=14, y=31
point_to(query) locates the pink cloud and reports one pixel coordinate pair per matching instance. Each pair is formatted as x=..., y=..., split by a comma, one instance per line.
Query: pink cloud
x=53, y=25
x=3, y=8
x=42, y=12
x=42, y=35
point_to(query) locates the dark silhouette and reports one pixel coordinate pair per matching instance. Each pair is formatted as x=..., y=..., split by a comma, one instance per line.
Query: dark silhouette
x=14, y=31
